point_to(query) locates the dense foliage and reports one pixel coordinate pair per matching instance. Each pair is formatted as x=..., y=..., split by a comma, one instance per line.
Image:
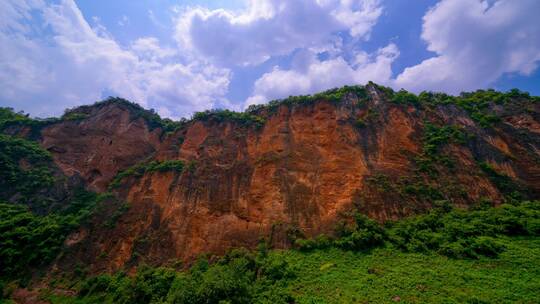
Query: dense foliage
x=238, y=277
x=10, y=119
x=511, y=189
x=404, y=97
x=433, y=141
x=333, y=95
x=451, y=232
x=150, y=116
x=385, y=275
x=37, y=208
x=25, y=168
x=479, y=103
x=28, y=241
x=140, y=169
x=242, y=118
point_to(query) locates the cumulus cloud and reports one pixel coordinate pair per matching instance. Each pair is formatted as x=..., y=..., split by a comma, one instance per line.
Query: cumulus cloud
x=148, y=47
x=62, y=61
x=272, y=28
x=52, y=58
x=476, y=42
x=310, y=75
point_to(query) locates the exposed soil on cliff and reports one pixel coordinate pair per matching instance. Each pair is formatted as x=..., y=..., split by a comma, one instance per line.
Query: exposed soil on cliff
x=287, y=169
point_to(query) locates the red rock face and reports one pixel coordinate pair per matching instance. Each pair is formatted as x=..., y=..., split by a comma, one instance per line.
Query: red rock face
x=302, y=171
x=96, y=148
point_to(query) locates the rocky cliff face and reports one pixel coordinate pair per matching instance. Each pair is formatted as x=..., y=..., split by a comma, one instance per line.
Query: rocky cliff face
x=289, y=169
x=99, y=142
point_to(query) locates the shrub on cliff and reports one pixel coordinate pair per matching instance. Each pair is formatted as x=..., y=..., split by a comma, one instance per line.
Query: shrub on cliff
x=242, y=118
x=334, y=95
x=404, y=97
x=24, y=168
x=364, y=235
x=136, y=111
x=319, y=242
x=28, y=240
x=513, y=191
x=140, y=169
x=9, y=118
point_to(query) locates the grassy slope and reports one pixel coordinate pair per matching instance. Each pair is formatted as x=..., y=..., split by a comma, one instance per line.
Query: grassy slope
x=336, y=276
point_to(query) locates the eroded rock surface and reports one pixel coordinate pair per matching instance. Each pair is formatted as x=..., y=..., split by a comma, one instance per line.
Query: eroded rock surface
x=302, y=171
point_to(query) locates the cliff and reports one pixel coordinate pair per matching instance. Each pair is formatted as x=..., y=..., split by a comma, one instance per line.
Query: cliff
x=292, y=168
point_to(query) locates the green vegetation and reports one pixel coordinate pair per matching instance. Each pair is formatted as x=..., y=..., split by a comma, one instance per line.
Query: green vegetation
x=489, y=255
x=434, y=139
x=28, y=241
x=385, y=275
x=370, y=116
x=150, y=116
x=483, y=255
x=363, y=235
x=140, y=169
x=478, y=103
x=238, y=277
x=74, y=116
x=9, y=118
x=511, y=189
x=25, y=169
x=435, y=98
x=334, y=95
x=454, y=233
x=404, y=97
x=37, y=210
x=408, y=188
x=242, y=118
x=121, y=210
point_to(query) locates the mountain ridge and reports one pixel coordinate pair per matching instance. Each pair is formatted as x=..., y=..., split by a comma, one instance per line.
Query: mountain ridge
x=292, y=168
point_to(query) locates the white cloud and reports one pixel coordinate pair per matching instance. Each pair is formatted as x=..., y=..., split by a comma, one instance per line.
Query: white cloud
x=12, y=11
x=312, y=75
x=272, y=28
x=43, y=73
x=148, y=47
x=52, y=58
x=476, y=42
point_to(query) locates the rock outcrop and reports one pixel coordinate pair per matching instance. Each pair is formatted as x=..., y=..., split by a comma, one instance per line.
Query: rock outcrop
x=301, y=170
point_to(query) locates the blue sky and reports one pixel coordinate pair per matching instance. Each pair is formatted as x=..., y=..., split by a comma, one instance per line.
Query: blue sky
x=184, y=56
